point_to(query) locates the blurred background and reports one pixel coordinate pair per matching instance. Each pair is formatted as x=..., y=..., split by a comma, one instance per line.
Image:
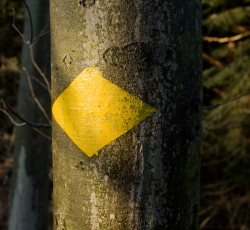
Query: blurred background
x=225, y=172
x=10, y=69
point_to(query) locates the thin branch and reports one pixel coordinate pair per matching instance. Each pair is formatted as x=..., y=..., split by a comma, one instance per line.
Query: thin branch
x=43, y=134
x=14, y=18
x=31, y=24
x=224, y=102
x=226, y=39
x=207, y=10
x=209, y=119
x=39, y=82
x=39, y=70
x=212, y=60
x=237, y=124
x=22, y=118
x=40, y=36
x=221, y=191
x=34, y=96
x=202, y=225
x=11, y=119
x=203, y=211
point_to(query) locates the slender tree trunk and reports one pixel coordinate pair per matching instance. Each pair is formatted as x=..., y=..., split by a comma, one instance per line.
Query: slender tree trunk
x=29, y=195
x=127, y=93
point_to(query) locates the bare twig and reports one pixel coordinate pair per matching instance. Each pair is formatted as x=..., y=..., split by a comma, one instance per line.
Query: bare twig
x=30, y=44
x=39, y=36
x=31, y=24
x=22, y=118
x=224, y=102
x=39, y=70
x=39, y=82
x=203, y=211
x=34, y=96
x=222, y=191
x=212, y=60
x=216, y=185
x=237, y=124
x=42, y=32
x=235, y=213
x=203, y=224
x=226, y=39
x=13, y=24
x=11, y=119
x=43, y=134
x=207, y=10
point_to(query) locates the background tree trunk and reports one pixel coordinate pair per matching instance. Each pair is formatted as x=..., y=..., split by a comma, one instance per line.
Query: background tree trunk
x=147, y=178
x=29, y=194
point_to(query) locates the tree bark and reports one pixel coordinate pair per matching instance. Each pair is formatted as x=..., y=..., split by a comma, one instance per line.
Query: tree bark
x=148, y=177
x=30, y=181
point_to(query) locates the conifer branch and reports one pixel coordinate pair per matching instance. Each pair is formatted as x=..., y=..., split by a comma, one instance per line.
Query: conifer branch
x=227, y=101
x=237, y=124
x=226, y=39
x=212, y=60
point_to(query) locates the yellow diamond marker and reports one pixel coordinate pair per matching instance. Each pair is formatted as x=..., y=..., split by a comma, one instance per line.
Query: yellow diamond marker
x=93, y=111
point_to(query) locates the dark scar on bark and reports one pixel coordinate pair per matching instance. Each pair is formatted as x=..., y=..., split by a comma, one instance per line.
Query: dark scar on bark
x=194, y=208
x=140, y=56
x=189, y=108
x=86, y=3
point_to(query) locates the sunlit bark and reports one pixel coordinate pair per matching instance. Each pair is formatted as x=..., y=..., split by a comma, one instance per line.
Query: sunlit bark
x=147, y=178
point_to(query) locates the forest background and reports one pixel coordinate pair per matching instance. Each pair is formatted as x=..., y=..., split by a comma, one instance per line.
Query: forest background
x=225, y=172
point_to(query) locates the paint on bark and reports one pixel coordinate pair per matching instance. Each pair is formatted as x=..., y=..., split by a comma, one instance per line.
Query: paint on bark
x=94, y=112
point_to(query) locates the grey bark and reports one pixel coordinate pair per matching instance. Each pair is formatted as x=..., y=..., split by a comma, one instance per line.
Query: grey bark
x=30, y=181
x=148, y=178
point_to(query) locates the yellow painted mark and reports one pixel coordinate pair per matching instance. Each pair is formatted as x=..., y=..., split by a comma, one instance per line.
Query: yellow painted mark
x=93, y=111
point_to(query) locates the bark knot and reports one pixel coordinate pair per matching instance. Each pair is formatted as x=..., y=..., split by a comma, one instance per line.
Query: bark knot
x=86, y=3
x=67, y=60
x=60, y=221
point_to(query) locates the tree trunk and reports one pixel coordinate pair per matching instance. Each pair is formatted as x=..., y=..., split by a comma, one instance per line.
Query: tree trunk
x=126, y=93
x=29, y=195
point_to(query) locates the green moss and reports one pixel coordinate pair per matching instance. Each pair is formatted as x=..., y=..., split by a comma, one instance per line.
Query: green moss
x=68, y=224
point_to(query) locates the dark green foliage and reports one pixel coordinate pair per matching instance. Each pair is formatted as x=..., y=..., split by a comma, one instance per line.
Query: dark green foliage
x=225, y=176
x=224, y=23
x=10, y=50
x=10, y=45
